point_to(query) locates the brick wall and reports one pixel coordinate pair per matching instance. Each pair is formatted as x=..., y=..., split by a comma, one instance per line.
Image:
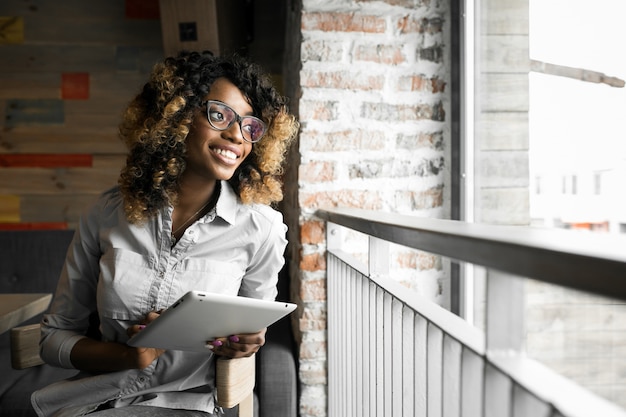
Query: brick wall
x=373, y=99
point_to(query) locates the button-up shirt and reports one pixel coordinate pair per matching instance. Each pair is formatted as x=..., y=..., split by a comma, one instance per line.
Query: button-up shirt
x=128, y=270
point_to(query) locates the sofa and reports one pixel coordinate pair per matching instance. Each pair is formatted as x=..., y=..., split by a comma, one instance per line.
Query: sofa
x=31, y=261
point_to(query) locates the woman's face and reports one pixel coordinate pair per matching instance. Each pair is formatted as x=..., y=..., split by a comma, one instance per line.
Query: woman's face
x=215, y=154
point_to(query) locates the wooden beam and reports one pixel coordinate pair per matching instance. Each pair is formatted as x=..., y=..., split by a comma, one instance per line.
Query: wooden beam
x=580, y=74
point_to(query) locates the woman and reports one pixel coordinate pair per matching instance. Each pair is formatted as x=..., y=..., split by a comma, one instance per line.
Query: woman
x=207, y=138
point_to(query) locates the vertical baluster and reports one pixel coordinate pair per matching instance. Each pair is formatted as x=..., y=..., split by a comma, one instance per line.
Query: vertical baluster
x=380, y=354
x=527, y=405
x=366, y=343
x=420, y=336
x=472, y=383
x=331, y=325
x=408, y=362
x=388, y=354
x=451, y=377
x=373, y=357
x=435, y=357
x=396, y=358
x=497, y=393
x=358, y=340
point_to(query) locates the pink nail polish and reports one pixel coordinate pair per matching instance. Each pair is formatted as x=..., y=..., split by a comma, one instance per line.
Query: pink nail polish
x=142, y=326
x=234, y=339
x=217, y=343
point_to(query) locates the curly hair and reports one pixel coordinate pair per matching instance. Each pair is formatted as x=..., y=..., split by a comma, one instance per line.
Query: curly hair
x=156, y=123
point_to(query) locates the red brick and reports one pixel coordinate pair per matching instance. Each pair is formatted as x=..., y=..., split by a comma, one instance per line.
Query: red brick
x=313, y=290
x=342, y=22
x=421, y=83
x=342, y=80
x=318, y=110
x=365, y=199
x=312, y=233
x=313, y=262
x=313, y=350
x=383, y=54
x=344, y=140
x=411, y=24
x=317, y=171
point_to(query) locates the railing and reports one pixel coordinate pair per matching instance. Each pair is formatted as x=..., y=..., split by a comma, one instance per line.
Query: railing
x=392, y=353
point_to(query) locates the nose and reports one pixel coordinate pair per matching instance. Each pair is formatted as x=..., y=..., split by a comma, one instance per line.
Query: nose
x=233, y=133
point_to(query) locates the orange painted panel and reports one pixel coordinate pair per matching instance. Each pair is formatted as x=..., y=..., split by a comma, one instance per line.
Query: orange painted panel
x=34, y=226
x=45, y=160
x=75, y=86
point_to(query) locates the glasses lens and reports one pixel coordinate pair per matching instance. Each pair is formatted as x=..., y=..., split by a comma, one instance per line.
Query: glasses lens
x=252, y=128
x=220, y=116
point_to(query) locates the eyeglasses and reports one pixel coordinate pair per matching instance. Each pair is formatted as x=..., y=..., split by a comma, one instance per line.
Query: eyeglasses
x=221, y=117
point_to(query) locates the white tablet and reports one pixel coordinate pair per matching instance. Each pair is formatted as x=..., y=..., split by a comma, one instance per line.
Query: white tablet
x=199, y=317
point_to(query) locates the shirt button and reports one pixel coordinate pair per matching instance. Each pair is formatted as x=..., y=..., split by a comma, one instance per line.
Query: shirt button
x=191, y=232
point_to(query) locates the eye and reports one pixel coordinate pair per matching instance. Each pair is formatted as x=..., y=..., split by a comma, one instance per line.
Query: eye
x=216, y=115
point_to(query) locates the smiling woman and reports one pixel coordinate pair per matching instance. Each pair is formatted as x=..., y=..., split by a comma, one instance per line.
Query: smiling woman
x=191, y=212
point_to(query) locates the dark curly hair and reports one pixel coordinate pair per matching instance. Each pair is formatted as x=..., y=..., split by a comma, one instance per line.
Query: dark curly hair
x=156, y=123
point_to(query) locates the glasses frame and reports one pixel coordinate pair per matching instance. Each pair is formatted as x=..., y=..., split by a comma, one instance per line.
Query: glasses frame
x=239, y=119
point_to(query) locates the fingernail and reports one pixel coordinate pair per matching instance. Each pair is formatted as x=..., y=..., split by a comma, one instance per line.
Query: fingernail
x=217, y=343
x=233, y=338
x=142, y=326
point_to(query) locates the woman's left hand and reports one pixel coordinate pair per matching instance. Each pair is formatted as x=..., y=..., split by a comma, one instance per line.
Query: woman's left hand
x=238, y=346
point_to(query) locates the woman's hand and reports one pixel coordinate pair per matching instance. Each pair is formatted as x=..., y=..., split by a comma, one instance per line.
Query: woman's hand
x=145, y=356
x=238, y=346
x=95, y=356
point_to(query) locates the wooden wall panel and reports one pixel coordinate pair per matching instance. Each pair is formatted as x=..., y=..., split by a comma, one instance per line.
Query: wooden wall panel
x=63, y=88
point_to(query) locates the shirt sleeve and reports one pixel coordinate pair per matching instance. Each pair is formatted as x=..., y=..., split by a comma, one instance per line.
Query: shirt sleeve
x=75, y=299
x=261, y=276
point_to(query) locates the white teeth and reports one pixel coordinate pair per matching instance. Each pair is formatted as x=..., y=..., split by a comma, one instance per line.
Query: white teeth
x=226, y=153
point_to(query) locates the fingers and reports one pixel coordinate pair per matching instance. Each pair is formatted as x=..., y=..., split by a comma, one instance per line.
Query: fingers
x=236, y=346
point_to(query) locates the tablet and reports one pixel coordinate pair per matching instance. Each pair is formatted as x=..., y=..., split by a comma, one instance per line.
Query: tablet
x=199, y=317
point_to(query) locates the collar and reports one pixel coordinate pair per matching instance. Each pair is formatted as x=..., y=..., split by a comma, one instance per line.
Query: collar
x=227, y=203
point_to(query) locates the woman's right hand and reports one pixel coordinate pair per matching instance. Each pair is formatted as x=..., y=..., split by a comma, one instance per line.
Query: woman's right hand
x=145, y=356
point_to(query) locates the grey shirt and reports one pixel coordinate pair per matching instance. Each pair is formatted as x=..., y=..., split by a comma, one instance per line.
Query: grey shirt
x=129, y=270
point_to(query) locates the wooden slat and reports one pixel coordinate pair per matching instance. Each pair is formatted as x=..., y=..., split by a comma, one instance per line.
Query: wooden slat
x=45, y=161
x=34, y=226
x=35, y=112
x=500, y=92
x=55, y=208
x=9, y=208
x=101, y=176
x=54, y=9
x=25, y=85
x=60, y=139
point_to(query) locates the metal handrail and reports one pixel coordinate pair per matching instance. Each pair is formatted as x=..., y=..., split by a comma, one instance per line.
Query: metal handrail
x=592, y=262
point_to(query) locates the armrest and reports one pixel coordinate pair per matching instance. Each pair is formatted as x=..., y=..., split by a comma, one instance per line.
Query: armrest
x=25, y=346
x=235, y=383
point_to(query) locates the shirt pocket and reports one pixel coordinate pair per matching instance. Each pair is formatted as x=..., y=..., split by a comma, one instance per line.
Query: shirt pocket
x=124, y=276
x=211, y=276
